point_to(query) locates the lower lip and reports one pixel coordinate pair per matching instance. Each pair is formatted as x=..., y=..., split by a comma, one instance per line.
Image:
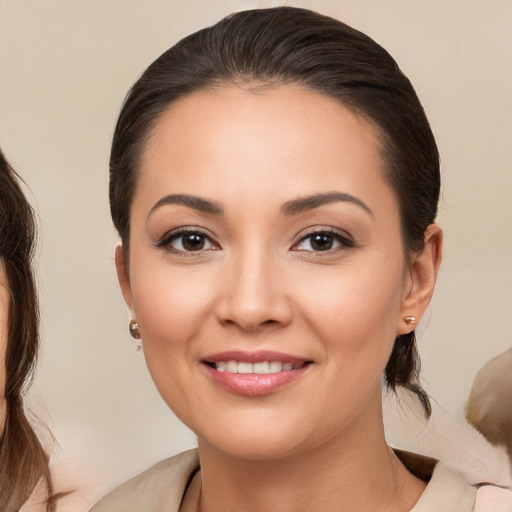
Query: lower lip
x=251, y=384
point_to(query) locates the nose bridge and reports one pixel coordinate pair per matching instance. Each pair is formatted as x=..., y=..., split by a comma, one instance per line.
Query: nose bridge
x=253, y=295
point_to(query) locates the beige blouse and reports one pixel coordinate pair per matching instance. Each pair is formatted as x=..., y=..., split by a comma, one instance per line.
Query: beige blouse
x=161, y=489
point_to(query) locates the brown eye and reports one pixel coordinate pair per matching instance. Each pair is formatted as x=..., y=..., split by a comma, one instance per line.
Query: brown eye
x=323, y=241
x=193, y=242
x=188, y=241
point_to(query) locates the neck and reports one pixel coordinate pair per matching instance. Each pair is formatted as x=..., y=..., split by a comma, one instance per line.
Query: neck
x=353, y=471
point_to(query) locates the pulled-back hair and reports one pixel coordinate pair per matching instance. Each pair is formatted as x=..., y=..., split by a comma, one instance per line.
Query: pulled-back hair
x=289, y=45
x=23, y=461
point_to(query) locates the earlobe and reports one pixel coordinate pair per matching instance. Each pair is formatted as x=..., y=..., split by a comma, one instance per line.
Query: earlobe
x=124, y=278
x=422, y=279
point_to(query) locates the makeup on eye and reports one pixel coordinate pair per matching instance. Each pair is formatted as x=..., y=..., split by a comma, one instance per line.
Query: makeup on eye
x=185, y=240
x=324, y=240
x=193, y=240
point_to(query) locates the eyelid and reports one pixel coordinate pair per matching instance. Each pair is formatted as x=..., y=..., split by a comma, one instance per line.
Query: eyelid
x=341, y=236
x=167, y=238
x=344, y=238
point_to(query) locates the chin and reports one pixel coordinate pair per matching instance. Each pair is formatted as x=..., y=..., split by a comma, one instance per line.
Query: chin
x=248, y=447
x=256, y=440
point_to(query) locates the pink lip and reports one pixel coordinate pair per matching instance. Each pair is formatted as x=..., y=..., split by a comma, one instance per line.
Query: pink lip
x=254, y=384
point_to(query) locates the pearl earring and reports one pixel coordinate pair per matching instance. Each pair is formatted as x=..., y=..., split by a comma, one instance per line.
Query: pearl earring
x=410, y=320
x=134, y=330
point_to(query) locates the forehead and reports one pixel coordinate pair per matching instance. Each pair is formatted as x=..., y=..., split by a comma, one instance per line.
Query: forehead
x=234, y=139
x=286, y=112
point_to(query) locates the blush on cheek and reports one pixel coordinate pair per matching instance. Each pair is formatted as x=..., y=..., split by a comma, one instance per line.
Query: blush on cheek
x=184, y=301
x=357, y=317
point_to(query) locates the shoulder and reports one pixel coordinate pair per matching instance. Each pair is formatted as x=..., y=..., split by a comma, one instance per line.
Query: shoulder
x=449, y=492
x=160, y=487
x=446, y=492
x=490, y=498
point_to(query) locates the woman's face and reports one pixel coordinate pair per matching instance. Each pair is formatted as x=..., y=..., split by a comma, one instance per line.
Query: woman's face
x=263, y=238
x=4, y=312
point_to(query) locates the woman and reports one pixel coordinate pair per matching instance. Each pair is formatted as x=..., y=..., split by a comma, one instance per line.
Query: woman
x=274, y=181
x=23, y=461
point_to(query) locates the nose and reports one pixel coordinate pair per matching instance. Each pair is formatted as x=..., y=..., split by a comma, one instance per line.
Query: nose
x=253, y=294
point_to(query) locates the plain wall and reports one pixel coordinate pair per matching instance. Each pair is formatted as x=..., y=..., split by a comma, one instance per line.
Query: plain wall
x=65, y=66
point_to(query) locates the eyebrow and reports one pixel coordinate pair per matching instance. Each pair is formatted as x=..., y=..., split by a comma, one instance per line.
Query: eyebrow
x=307, y=203
x=197, y=203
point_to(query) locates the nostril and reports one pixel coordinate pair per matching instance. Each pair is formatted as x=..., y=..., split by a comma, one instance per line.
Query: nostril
x=250, y=309
x=247, y=325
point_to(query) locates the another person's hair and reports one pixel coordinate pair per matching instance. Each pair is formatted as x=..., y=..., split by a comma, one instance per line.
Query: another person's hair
x=23, y=461
x=286, y=45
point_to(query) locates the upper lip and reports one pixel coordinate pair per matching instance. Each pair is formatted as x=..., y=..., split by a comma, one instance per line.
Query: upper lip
x=254, y=357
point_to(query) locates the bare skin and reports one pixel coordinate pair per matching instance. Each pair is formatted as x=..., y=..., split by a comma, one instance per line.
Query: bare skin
x=377, y=482
x=262, y=222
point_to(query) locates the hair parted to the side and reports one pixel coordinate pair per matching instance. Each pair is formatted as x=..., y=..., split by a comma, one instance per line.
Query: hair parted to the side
x=23, y=461
x=286, y=45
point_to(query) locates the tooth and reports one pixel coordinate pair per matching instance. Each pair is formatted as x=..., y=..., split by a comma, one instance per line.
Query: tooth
x=244, y=367
x=298, y=365
x=275, y=366
x=262, y=367
x=287, y=366
x=232, y=367
x=221, y=366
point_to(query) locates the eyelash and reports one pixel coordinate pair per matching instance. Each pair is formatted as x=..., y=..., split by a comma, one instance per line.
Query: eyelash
x=165, y=242
x=344, y=240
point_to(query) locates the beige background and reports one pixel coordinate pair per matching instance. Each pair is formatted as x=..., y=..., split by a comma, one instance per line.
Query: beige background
x=65, y=66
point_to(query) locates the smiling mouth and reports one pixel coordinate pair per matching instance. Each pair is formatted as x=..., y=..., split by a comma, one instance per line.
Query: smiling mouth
x=260, y=368
x=255, y=374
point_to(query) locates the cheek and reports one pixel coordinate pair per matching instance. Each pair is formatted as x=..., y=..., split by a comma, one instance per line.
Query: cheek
x=354, y=317
x=354, y=311
x=171, y=305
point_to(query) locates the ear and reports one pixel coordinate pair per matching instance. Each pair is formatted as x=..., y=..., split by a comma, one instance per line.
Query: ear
x=421, y=280
x=124, y=278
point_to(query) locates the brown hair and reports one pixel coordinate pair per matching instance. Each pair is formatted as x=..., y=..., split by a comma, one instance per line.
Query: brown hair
x=23, y=461
x=290, y=45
